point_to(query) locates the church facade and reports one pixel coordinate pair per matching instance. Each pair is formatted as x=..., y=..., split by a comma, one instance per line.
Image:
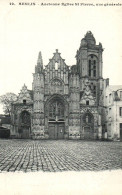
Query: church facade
x=64, y=102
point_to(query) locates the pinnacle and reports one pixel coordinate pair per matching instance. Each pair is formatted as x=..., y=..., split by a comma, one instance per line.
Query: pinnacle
x=24, y=86
x=40, y=61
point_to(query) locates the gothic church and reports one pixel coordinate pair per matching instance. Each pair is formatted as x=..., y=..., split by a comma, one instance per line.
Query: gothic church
x=64, y=102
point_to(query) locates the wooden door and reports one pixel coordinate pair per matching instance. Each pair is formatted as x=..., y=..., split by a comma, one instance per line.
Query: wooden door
x=52, y=131
x=88, y=133
x=56, y=131
x=25, y=133
x=60, y=131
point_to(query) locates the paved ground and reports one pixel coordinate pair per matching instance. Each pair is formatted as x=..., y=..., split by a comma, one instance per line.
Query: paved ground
x=60, y=155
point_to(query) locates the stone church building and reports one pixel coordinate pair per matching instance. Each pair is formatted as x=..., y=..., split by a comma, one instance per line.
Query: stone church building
x=64, y=102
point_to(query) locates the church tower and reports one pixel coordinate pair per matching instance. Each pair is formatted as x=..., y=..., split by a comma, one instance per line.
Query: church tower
x=89, y=64
x=64, y=102
x=38, y=99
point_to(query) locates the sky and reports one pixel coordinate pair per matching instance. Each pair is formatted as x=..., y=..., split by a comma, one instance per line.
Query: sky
x=27, y=29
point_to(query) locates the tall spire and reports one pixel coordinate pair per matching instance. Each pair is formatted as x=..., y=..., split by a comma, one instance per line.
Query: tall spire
x=39, y=66
x=40, y=61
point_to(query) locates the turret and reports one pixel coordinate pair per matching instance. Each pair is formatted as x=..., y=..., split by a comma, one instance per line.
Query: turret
x=38, y=98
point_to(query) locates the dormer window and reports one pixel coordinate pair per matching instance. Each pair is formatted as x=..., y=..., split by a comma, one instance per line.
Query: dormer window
x=87, y=102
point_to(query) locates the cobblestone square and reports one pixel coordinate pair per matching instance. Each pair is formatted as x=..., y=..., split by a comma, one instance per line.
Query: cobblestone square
x=59, y=155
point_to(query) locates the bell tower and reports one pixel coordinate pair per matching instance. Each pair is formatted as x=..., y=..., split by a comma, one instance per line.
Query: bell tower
x=89, y=64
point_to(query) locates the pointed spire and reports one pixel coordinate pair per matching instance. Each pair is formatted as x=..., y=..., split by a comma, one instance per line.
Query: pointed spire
x=40, y=61
x=39, y=66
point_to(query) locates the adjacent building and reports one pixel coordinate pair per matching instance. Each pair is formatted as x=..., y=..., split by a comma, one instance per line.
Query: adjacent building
x=5, y=126
x=112, y=120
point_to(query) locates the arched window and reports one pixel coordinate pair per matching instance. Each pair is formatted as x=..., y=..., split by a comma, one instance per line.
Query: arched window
x=94, y=90
x=56, y=109
x=89, y=67
x=92, y=61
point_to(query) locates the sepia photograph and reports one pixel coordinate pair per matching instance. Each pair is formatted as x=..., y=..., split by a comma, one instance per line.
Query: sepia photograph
x=60, y=97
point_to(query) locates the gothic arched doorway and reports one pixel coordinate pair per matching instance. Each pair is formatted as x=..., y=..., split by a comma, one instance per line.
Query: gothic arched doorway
x=25, y=124
x=56, y=119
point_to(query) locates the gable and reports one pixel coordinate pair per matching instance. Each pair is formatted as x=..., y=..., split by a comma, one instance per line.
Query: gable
x=87, y=96
x=56, y=68
x=56, y=62
x=24, y=95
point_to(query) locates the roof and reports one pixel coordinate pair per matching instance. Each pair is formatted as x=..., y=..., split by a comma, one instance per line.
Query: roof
x=5, y=119
x=115, y=87
x=31, y=93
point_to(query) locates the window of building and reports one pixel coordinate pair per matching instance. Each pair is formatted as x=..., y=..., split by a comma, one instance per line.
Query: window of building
x=56, y=66
x=89, y=67
x=120, y=111
x=109, y=110
x=87, y=102
x=110, y=98
x=120, y=95
x=94, y=90
x=121, y=126
x=92, y=66
x=94, y=73
x=24, y=101
x=56, y=109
